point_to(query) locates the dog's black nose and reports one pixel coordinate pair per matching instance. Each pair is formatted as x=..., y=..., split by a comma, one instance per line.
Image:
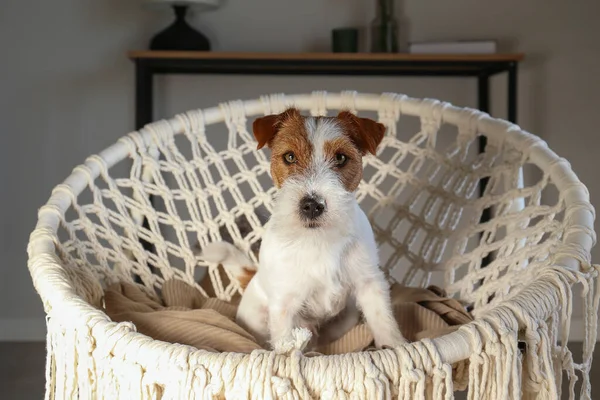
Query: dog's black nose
x=311, y=208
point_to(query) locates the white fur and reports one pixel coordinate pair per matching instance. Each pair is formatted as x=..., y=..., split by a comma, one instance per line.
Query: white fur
x=314, y=278
x=233, y=260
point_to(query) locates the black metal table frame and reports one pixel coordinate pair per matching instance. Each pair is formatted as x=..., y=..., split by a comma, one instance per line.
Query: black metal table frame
x=147, y=67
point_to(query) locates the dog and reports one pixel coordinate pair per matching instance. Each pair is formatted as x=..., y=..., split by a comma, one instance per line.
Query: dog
x=318, y=260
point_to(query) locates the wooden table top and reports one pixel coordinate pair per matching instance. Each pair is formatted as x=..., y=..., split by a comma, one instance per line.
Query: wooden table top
x=382, y=57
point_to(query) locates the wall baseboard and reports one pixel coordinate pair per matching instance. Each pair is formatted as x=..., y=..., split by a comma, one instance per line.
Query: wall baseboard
x=34, y=330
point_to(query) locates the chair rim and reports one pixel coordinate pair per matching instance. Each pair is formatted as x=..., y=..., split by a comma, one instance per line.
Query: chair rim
x=47, y=273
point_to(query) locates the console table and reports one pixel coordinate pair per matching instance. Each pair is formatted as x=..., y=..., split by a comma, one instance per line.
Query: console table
x=480, y=66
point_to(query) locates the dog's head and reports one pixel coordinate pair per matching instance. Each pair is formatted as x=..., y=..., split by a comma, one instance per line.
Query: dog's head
x=316, y=162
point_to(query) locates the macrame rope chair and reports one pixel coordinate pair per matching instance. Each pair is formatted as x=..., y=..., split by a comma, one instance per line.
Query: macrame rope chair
x=422, y=194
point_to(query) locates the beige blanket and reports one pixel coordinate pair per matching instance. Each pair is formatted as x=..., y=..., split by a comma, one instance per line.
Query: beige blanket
x=184, y=316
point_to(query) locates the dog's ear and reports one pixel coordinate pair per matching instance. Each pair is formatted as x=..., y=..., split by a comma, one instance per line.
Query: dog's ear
x=265, y=128
x=364, y=132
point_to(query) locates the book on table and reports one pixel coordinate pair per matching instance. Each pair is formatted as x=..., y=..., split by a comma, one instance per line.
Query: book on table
x=454, y=47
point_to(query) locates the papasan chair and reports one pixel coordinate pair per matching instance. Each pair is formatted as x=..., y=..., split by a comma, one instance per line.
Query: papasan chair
x=507, y=231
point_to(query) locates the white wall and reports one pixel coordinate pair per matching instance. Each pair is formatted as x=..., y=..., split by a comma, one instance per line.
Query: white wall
x=67, y=87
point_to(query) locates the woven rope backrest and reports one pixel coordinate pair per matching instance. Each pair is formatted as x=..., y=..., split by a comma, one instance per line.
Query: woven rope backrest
x=422, y=193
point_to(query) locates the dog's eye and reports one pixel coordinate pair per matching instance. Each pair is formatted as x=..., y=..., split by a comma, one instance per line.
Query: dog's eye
x=289, y=157
x=340, y=159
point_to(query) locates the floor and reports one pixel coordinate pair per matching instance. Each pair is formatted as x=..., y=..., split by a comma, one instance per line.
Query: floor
x=22, y=370
x=22, y=367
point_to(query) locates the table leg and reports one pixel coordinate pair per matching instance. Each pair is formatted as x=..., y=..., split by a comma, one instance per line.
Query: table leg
x=144, y=99
x=512, y=92
x=144, y=102
x=483, y=104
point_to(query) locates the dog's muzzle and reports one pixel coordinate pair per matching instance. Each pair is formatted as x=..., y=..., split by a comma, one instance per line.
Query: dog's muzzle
x=312, y=207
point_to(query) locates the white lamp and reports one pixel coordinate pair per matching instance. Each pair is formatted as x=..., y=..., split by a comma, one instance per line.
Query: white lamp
x=180, y=35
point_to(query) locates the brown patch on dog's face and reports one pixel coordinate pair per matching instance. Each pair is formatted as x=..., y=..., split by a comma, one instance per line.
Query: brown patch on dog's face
x=350, y=173
x=361, y=136
x=265, y=128
x=365, y=133
x=292, y=139
x=284, y=134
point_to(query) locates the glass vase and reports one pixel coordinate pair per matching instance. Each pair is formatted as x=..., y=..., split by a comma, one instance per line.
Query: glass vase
x=384, y=28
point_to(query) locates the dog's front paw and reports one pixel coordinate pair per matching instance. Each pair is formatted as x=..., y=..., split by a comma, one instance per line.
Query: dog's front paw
x=296, y=341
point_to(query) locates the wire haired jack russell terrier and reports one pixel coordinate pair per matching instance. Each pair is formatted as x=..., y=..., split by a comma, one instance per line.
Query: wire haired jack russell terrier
x=318, y=261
